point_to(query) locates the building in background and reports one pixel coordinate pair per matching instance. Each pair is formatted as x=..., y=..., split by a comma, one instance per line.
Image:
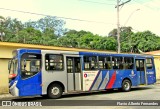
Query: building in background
x=156, y=55
x=6, y=49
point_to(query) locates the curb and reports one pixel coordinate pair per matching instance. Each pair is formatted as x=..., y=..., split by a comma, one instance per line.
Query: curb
x=6, y=96
x=157, y=82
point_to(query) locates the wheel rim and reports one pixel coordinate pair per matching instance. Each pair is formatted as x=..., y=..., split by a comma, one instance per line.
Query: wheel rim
x=126, y=85
x=55, y=91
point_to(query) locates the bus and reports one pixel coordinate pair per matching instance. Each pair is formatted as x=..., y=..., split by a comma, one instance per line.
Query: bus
x=56, y=72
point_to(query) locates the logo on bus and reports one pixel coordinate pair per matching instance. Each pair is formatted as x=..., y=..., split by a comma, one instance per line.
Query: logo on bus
x=85, y=75
x=132, y=74
x=150, y=73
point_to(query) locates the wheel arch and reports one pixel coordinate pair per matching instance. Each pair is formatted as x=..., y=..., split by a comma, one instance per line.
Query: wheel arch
x=57, y=82
x=126, y=79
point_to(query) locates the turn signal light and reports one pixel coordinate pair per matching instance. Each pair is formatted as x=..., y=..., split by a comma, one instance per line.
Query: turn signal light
x=12, y=76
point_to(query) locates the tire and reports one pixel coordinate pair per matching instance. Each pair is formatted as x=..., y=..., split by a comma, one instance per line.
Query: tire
x=126, y=85
x=44, y=96
x=54, y=91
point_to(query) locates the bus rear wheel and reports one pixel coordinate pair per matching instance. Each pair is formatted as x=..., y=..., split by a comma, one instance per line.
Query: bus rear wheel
x=126, y=85
x=54, y=91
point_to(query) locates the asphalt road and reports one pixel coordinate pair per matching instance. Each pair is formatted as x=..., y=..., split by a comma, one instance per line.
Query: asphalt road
x=101, y=99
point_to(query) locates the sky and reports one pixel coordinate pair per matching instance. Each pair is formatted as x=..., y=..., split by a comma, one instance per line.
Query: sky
x=141, y=15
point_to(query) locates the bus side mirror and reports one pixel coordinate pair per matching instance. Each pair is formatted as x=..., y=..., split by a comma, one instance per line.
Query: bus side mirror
x=9, y=64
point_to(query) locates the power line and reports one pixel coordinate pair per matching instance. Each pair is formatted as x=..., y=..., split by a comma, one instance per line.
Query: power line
x=123, y=3
x=144, y=5
x=61, y=17
x=68, y=18
x=102, y=3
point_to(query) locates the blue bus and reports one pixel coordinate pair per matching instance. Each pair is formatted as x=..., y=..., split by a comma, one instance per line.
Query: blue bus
x=55, y=72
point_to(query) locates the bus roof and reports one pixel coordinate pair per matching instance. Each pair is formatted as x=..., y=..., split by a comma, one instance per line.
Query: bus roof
x=93, y=53
x=115, y=54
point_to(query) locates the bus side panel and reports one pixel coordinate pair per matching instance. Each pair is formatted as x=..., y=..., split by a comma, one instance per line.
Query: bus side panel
x=55, y=75
x=151, y=78
x=100, y=80
x=51, y=76
x=107, y=79
x=124, y=74
x=112, y=83
x=151, y=74
x=32, y=85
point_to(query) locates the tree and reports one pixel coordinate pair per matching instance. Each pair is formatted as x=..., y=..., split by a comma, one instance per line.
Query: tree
x=2, y=27
x=53, y=24
x=123, y=32
x=47, y=31
x=113, y=33
x=145, y=41
x=107, y=43
x=28, y=35
x=11, y=28
x=125, y=38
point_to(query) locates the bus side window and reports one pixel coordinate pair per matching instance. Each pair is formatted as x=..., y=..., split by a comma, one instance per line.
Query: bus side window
x=117, y=62
x=51, y=67
x=54, y=62
x=121, y=66
x=106, y=66
x=92, y=68
x=90, y=63
x=128, y=62
x=104, y=62
x=137, y=65
x=149, y=63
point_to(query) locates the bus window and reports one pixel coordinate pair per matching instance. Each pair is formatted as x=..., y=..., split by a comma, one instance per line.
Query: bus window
x=54, y=62
x=90, y=63
x=77, y=65
x=30, y=65
x=149, y=63
x=140, y=65
x=69, y=65
x=104, y=62
x=117, y=62
x=128, y=63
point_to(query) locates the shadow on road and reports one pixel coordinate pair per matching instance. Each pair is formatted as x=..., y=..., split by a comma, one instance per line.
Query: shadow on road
x=111, y=91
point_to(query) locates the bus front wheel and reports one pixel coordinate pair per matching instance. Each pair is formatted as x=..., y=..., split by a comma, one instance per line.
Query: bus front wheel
x=55, y=91
x=126, y=85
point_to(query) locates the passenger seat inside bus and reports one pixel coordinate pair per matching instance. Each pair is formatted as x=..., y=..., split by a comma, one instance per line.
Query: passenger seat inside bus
x=51, y=67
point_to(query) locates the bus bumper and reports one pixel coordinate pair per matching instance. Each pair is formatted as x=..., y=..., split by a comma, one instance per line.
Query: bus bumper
x=13, y=90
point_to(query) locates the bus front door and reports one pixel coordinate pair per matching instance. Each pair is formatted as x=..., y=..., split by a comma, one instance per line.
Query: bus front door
x=141, y=71
x=74, y=73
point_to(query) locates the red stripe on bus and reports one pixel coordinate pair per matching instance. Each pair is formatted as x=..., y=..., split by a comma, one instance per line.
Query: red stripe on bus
x=112, y=81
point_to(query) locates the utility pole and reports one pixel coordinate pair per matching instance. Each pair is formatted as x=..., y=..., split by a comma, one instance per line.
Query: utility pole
x=118, y=29
x=118, y=24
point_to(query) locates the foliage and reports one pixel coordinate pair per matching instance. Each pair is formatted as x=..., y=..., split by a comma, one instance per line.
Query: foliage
x=51, y=31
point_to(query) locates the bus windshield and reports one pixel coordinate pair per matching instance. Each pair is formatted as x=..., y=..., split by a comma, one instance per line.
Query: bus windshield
x=13, y=64
x=30, y=65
